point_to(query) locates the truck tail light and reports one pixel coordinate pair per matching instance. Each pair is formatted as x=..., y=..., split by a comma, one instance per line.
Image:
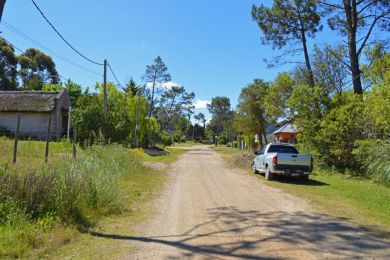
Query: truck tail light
x=275, y=160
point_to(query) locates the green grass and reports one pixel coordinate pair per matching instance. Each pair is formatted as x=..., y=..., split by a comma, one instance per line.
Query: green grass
x=226, y=152
x=43, y=205
x=360, y=200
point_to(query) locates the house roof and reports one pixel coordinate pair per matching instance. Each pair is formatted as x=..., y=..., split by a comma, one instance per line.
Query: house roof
x=287, y=128
x=28, y=101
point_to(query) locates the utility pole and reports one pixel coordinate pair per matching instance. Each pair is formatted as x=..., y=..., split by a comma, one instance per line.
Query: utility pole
x=104, y=103
x=2, y=3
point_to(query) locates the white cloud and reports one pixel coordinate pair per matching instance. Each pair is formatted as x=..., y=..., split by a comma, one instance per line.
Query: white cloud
x=201, y=104
x=166, y=85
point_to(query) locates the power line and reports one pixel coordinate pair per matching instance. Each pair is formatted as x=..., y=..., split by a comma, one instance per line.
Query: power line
x=28, y=38
x=22, y=52
x=62, y=37
x=112, y=71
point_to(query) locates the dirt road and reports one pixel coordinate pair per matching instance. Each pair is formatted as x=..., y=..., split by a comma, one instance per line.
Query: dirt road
x=209, y=211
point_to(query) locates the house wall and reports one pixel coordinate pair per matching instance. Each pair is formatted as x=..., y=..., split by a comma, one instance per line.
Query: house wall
x=286, y=137
x=31, y=124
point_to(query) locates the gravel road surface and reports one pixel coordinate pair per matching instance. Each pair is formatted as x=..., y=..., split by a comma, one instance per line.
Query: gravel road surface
x=211, y=211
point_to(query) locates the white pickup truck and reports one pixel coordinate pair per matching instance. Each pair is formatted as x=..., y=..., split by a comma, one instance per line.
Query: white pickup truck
x=282, y=159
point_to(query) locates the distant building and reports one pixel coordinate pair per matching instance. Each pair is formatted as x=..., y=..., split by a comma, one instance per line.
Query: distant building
x=286, y=134
x=35, y=109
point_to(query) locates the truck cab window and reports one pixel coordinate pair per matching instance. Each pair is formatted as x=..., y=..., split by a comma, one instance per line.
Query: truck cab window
x=282, y=149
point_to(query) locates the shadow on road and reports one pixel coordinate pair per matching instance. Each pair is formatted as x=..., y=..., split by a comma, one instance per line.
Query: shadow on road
x=243, y=234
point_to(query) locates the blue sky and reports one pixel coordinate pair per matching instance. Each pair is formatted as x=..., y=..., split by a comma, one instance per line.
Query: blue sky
x=210, y=47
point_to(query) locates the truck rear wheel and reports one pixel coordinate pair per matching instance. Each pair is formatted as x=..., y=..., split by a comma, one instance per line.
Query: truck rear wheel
x=268, y=174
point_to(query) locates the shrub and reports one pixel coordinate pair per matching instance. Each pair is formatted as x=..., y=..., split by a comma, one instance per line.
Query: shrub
x=379, y=166
x=221, y=141
x=331, y=138
x=165, y=139
x=363, y=152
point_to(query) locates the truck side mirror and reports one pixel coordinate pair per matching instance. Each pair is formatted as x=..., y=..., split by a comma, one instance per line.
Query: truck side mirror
x=256, y=152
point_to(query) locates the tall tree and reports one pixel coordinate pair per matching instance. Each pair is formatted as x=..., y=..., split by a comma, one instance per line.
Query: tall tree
x=275, y=102
x=131, y=88
x=251, y=111
x=201, y=119
x=8, y=66
x=220, y=108
x=289, y=22
x=174, y=104
x=74, y=91
x=156, y=73
x=37, y=68
x=357, y=19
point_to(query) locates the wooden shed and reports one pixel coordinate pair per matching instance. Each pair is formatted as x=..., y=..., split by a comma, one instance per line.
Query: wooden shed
x=35, y=109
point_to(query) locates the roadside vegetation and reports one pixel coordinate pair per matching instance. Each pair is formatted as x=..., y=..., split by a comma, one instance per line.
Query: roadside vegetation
x=43, y=205
x=338, y=99
x=354, y=198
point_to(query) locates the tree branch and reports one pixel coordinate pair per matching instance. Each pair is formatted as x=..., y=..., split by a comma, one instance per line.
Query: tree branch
x=337, y=57
x=370, y=31
x=330, y=5
x=365, y=7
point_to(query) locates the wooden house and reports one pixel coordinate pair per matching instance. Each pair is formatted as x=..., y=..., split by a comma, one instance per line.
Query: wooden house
x=35, y=109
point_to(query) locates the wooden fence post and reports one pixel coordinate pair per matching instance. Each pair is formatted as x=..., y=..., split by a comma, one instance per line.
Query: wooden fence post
x=47, y=141
x=74, y=143
x=69, y=122
x=16, y=138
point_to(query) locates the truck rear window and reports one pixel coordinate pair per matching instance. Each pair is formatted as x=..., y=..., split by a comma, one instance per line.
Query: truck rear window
x=282, y=149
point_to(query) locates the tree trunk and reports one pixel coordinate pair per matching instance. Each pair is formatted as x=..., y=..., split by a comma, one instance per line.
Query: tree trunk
x=2, y=3
x=351, y=17
x=152, y=100
x=306, y=53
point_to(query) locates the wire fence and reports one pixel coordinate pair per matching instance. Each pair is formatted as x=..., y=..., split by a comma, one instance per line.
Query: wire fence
x=29, y=143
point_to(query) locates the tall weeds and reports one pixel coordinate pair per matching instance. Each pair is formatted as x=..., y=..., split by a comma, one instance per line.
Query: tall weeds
x=75, y=192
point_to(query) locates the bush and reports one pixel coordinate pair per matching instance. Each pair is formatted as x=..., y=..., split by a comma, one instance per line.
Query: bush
x=363, y=152
x=165, y=139
x=221, y=141
x=379, y=164
x=244, y=159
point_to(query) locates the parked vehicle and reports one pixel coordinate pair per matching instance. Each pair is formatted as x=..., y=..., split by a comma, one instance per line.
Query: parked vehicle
x=282, y=159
